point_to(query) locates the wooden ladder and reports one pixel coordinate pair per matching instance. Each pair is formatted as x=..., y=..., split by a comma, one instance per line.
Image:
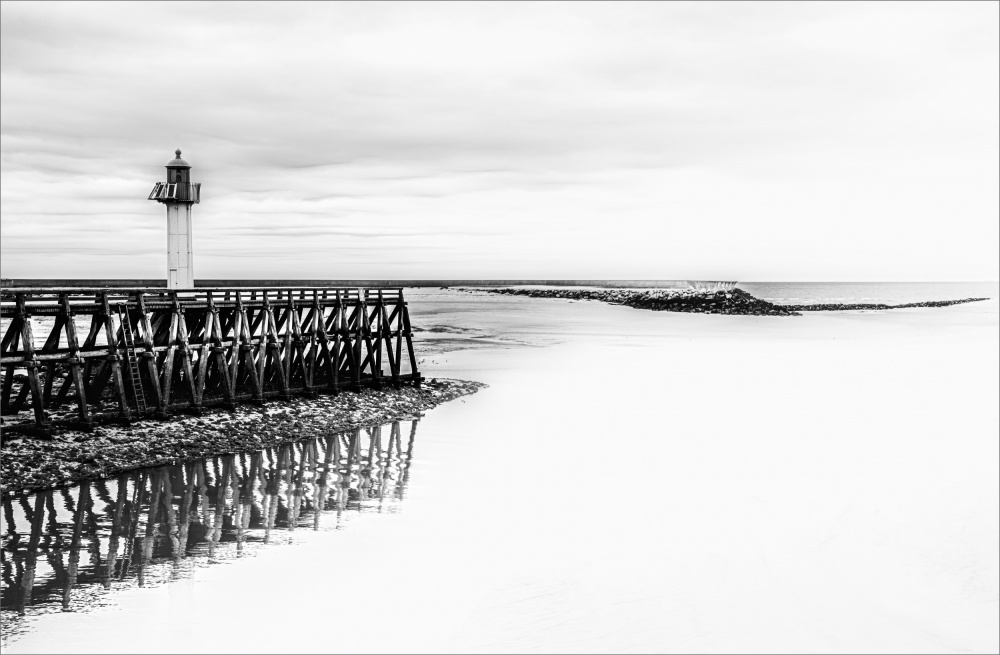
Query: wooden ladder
x=133, y=360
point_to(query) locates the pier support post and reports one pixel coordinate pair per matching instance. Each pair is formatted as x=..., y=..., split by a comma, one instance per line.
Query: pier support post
x=75, y=363
x=31, y=364
x=148, y=354
x=114, y=360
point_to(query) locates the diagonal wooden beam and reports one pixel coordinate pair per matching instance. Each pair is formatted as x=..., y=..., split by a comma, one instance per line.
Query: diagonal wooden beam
x=31, y=364
x=148, y=355
x=76, y=363
x=114, y=359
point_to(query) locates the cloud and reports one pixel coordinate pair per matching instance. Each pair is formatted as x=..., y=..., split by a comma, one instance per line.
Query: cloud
x=635, y=139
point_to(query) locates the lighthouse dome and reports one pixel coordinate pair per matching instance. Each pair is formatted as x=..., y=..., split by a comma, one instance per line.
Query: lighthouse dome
x=177, y=162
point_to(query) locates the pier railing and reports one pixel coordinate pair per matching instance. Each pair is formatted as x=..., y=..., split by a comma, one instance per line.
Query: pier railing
x=146, y=351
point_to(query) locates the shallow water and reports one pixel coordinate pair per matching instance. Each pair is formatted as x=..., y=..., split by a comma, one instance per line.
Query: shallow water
x=633, y=481
x=892, y=293
x=70, y=549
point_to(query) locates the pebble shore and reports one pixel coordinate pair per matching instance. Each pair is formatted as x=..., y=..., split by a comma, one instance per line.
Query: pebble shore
x=735, y=301
x=70, y=456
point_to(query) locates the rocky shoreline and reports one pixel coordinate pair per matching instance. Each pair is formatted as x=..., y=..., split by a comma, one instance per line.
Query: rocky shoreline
x=731, y=302
x=71, y=456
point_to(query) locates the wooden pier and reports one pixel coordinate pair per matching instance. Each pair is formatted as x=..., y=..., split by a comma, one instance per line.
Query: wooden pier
x=152, y=351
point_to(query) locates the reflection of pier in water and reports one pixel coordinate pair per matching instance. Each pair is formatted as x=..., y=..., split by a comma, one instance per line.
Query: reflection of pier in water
x=152, y=525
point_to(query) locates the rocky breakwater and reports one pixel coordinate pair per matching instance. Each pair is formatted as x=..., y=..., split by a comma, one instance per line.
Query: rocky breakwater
x=71, y=456
x=733, y=302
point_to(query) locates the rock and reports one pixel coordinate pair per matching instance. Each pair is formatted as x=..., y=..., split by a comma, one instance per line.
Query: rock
x=28, y=464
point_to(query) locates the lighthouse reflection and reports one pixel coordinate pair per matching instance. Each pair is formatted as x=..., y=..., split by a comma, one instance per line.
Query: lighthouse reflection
x=63, y=548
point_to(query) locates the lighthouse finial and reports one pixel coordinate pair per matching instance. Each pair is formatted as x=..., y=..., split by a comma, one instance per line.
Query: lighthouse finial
x=178, y=153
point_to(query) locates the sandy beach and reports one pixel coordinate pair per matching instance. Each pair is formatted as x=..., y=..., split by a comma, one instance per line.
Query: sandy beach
x=637, y=481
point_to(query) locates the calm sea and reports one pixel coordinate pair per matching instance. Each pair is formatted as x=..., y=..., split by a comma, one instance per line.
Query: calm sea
x=631, y=481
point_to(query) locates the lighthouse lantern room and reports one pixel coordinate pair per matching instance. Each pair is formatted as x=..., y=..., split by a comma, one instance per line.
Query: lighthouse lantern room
x=179, y=195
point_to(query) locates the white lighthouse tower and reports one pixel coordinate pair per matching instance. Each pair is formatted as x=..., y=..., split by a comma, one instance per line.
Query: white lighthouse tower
x=179, y=195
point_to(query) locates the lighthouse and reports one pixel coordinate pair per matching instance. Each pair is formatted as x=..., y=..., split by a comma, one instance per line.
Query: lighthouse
x=179, y=195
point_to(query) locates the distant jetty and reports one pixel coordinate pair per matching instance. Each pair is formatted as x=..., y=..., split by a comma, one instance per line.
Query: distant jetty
x=699, y=301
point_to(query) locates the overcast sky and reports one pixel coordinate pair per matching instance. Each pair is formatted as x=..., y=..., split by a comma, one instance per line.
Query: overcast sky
x=746, y=141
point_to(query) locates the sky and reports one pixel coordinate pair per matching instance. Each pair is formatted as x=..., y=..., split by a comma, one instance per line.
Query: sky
x=705, y=140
